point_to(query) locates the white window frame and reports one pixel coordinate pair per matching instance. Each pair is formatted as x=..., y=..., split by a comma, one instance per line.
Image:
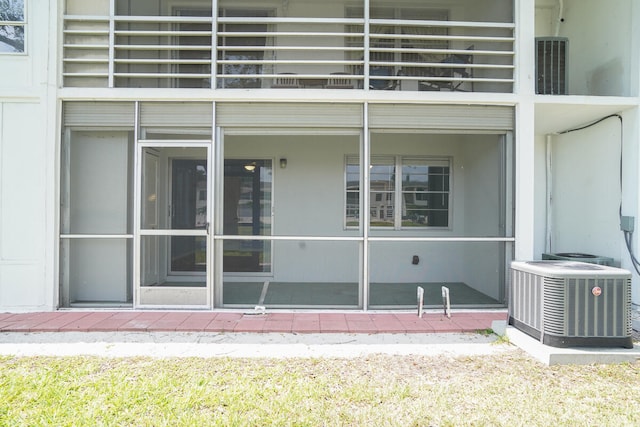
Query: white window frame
x=398, y=192
x=23, y=24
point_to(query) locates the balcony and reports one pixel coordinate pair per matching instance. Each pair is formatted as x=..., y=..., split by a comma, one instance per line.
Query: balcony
x=291, y=45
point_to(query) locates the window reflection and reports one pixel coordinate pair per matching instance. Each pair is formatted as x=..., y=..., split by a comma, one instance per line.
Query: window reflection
x=424, y=189
x=247, y=212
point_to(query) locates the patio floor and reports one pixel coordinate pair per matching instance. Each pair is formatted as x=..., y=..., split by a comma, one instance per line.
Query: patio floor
x=227, y=321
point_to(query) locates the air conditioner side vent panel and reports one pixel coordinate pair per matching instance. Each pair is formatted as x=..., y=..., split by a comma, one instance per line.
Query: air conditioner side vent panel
x=551, y=65
x=553, y=305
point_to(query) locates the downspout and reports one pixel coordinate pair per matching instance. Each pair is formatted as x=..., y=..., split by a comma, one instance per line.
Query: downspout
x=560, y=20
x=549, y=201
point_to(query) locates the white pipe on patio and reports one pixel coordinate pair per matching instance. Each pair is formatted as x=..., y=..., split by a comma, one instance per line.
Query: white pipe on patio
x=549, y=194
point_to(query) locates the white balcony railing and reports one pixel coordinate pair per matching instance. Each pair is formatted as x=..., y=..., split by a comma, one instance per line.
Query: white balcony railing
x=272, y=52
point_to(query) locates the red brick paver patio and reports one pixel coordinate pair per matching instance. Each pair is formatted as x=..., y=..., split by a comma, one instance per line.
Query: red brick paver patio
x=225, y=321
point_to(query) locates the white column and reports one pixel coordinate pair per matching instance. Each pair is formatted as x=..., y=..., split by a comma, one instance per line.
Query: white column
x=525, y=62
x=525, y=171
x=52, y=157
x=525, y=129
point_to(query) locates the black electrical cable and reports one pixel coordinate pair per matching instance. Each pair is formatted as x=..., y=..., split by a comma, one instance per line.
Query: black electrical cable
x=593, y=124
x=634, y=260
x=628, y=235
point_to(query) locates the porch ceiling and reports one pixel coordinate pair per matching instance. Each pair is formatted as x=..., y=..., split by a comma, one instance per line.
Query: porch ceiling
x=562, y=113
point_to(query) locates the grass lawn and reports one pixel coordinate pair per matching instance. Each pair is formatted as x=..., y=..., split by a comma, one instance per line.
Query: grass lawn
x=509, y=389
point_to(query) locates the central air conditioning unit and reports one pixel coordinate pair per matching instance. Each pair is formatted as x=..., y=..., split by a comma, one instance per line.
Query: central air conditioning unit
x=571, y=304
x=551, y=65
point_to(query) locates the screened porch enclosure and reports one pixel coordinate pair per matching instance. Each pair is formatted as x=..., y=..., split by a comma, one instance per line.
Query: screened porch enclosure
x=437, y=218
x=257, y=211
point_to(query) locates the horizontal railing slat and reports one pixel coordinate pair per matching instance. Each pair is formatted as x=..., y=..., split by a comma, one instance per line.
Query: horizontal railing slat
x=164, y=75
x=163, y=61
x=441, y=38
x=147, y=33
x=443, y=51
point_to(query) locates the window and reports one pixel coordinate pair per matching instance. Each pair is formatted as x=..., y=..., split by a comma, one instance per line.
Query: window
x=12, y=23
x=422, y=193
x=235, y=55
x=193, y=58
x=353, y=195
x=425, y=192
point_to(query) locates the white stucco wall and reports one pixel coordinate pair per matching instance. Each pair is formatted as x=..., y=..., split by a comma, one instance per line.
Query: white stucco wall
x=546, y=17
x=599, y=46
x=27, y=184
x=586, y=187
x=22, y=200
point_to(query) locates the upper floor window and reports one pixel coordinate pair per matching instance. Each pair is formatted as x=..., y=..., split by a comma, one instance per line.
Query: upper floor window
x=243, y=48
x=12, y=23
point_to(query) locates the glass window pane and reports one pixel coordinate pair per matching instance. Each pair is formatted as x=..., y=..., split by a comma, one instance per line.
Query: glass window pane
x=189, y=193
x=352, y=211
x=247, y=256
x=247, y=211
x=165, y=259
x=425, y=184
x=11, y=38
x=382, y=191
x=12, y=10
x=188, y=253
x=185, y=200
x=247, y=197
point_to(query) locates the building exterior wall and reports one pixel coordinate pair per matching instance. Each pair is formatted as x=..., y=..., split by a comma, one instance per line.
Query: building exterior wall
x=603, y=77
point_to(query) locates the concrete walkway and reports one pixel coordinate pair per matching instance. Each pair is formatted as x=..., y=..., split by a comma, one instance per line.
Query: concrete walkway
x=228, y=321
x=250, y=345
